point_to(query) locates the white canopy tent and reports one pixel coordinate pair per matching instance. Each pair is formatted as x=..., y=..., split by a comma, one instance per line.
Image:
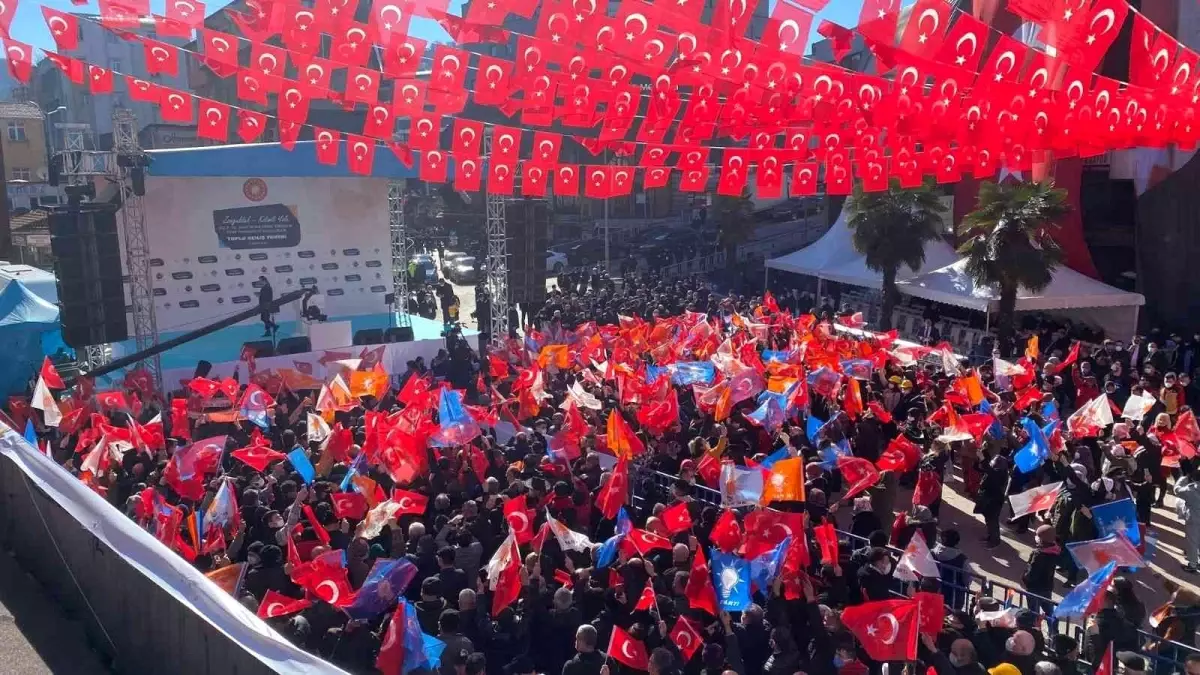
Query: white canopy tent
x=1069, y=294
x=834, y=258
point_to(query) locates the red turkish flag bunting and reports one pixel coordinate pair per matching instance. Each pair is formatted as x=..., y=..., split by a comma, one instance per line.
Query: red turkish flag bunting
x=213, y=121
x=500, y=177
x=566, y=180
x=598, y=182
x=655, y=177
x=72, y=68
x=293, y=103
x=251, y=125
x=402, y=56
x=787, y=29
x=190, y=13
x=379, y=123
x=301, y=32
x=964, y=44
x=468, y=175
x=735, y=170
x=253, y=87
x=468, y=137
x=100, y=80
x=390, y=18
x=533, y=179
x=694, y=180
x=161, y=58
x=20, y=60
x=175, y=106
x=64, y=28
x=289, y=133
x=493, y=80
x=352, y=45
x=329, y=142
x=926, y=25
x=220, y=47
x=268, y=60
x=1102, y=26
x=335, y=14
x=506, y=143
x=878, y=20
x=433, y=167
x=362, y=85
x=1005, y=61
x=361, y=154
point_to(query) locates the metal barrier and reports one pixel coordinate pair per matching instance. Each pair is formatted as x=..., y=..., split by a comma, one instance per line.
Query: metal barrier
x=977, y=586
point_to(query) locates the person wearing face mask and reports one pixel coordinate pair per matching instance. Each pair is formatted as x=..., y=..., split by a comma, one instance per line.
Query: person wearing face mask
x=1173, y=395
x=960, y=661
x=1038, y=578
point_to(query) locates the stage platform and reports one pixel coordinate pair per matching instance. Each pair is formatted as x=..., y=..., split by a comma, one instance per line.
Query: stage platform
x=223, y=347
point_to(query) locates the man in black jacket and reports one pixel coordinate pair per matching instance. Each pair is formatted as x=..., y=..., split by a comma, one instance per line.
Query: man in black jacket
x=875, y=577
x=588, y=660
x=1039, y=576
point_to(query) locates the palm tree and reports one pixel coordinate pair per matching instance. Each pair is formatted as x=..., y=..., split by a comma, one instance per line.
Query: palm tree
x=891, y=229
x=1009, y=244
x=732, y=216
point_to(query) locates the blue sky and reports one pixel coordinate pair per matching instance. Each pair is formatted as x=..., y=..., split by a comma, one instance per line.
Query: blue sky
x=30, y=27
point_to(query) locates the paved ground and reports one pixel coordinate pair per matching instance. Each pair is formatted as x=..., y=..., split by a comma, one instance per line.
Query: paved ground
x=36, y=637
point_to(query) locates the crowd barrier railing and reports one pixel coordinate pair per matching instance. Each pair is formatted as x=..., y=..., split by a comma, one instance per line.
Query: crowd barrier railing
x=142, y=605
x=977, y=586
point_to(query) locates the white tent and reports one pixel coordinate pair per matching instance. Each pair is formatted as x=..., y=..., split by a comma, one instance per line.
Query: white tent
x=1069, y=293
x=833, y=258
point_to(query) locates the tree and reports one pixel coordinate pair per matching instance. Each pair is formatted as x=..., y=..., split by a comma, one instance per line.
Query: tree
x=1009, y=244
x=732, y=216
x=891, y=229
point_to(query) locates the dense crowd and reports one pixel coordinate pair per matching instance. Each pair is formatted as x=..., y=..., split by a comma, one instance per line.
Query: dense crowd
x=647, y=478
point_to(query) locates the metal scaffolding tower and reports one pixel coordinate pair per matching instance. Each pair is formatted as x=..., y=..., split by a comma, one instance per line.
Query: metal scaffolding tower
x=497, y=261
x=129, y=157
x=399, y=252
x=81, y=164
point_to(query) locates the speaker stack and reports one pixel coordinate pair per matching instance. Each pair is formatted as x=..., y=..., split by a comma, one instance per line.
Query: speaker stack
x=91, y=289
x=528, y=225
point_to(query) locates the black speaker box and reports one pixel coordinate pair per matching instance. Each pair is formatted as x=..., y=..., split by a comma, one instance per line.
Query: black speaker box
x=91, y=290
x=293, y=345
x=369, y=336
x=528, y=225
x=262, y=348
x=398, y=334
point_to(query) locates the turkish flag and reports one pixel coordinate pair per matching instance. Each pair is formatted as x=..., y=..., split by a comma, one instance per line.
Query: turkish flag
x=20, y=60
x=329, y=141
x=501, y=177
x=250, y=125
x=726, y=534
x=351, y=45
x=493, y=80
x=360, y=155
x=676, y=518
x=301, y=33
x=643, y=541
x=533, y=180
x=314, y=75
x=887, y=629
x=72, y=68
x=1004, y=63
x=189, y=13
x=335, y=14
x=433, y=168
x=50, y=375
x=161, y=58
x=566, y=180
x=402, y=56
x=655, y=177
x=613, y=494
x=64, y=28
x=390, y=19
x=699, y=591
x=408, y=99
x=932, y=610
x=735, y=170
x=447, y=78
x=520, y=519
x=409, y=502
x=253, y=87
x=468, y=177
x=257, y=457
x=268, y=60
x=275, y=605
x=220, y=47
x=468, y=137
x=362, y=85
x=626, y=650
x=827, y=541
x=926, y=27
x=379, y=123
x=213, y=121
x=293, y=103
x=695, y=180
x=350, y=505
x=425, y=130
x=787, y=29
x=686, y=636
x=261, y=20
x=647, y=600
x=506, y=144
x=901, y=455
x=878, y=20
x=858, y=473
x=100, y=80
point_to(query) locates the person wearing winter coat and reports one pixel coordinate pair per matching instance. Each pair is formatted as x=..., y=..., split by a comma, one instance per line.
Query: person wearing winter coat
x=1187, y=507
x=990, y=499
x=953, y=563
x=1039, y=575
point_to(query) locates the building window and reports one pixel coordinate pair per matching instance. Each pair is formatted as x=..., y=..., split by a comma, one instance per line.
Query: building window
x=16, y=131
x=21, y=173
x=115, y=65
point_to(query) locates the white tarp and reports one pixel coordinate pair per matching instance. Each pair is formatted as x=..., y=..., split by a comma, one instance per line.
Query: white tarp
x=1068, y=290
x=171, y=572
x=834, y=258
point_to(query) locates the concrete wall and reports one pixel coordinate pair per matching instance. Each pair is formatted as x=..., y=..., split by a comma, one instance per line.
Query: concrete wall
x=150, y=631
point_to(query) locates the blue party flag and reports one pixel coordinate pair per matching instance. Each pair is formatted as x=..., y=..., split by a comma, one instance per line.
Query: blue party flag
x=31, y=434
x=356, y=467
x=731, y=578
x=766, y=566
x=768, y=415
x=1118, y=517
x=813, y=428
x=607, y=553
x=1035, y=451
x=692, y=372
x=458, y=427
x=859, y=369
x=1050, y=411
x=302, y=465
x=387, y=581
x=653, y=373
x=223, y=511
x=413, y=640
x=779, y=454
x=1083, y=599
x=831, y=454
x=770, y=355
x=995, y=429
x=624, y=524
x=432, y=648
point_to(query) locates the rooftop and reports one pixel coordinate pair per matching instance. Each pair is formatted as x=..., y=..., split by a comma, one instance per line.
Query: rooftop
x=24, y=110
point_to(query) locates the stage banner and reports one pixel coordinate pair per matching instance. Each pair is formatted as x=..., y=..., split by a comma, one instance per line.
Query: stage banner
x=211, y=238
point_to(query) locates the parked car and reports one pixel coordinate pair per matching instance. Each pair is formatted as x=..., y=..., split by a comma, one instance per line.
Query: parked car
x=465, y=270
x=448, y=260
x=422, y=269
x=555, y=262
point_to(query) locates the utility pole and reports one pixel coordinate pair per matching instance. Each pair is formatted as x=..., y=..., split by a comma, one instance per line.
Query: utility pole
x=5, y=225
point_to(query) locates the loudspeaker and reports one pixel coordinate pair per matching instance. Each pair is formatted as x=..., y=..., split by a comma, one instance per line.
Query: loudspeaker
x=294, y=345
x=91, y=289
x=262, y=348
x=368, y=336
x=203, y=368
x=398, y=334
x=528, y=225
x=137, y=176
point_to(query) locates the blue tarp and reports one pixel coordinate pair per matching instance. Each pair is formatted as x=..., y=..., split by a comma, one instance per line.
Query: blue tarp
x=23, y=318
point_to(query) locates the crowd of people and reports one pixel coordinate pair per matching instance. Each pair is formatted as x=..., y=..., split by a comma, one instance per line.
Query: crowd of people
x=575, y=502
